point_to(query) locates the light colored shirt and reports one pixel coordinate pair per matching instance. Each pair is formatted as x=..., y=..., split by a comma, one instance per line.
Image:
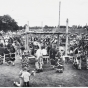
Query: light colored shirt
x=71, y=51
x=38, y=53
x=44, y=51
x=26, y=76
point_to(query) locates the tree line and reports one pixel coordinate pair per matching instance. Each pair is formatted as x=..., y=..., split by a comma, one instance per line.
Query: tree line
x=8, y=23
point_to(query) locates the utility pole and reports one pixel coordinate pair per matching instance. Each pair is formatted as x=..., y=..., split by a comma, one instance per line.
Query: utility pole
x=59, y=14
x=58, y=23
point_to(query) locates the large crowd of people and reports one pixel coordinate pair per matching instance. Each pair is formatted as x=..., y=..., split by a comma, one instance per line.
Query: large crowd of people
x=42, y=48
x=79, y=51
x=38, y=47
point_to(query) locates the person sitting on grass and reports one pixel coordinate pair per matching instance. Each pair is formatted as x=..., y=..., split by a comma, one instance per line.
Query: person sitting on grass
x=59, y=65
x=24, y=76
x=59, y=62
x=57, y=56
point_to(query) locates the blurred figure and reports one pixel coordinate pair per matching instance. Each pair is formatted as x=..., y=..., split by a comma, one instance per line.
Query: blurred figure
x=52, y=54
x=24, y=77
x=39, y=59
x=44, y=51
x=7, y=56
x=12, y=55
x=48, y=48
x=58, y=56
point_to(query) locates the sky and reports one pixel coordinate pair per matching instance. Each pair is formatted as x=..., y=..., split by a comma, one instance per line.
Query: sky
x=46, y=12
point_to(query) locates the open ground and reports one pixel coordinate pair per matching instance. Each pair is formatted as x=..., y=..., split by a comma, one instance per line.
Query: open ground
x=48, y=78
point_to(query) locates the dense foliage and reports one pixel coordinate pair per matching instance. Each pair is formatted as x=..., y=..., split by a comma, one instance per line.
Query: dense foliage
x=8, y=23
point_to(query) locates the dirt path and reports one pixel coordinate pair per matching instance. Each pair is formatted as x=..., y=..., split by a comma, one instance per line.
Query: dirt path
x=48, y=78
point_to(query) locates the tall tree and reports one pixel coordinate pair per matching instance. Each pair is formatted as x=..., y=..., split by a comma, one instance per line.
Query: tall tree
x=8, y=23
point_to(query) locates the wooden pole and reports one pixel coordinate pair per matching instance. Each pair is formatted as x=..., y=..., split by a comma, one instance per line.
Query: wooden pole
x=66, y=37
x=27, y=36
x=59, y=23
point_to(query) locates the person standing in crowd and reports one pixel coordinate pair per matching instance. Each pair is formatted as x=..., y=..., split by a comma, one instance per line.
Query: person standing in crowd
x=24, y=78
x=52, y=54
x=44, y=51
x=7, y=56
x=1, y=54
x=33, y=50
x=75, y=63
x=48, y=48
x=12, y=55
x=22, y=49
x=39, y=59
x=79, y=59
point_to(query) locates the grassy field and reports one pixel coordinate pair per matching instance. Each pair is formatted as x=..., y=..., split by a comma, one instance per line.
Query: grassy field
x=48, y=78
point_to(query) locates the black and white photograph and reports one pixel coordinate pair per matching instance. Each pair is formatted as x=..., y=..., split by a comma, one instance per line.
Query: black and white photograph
x=43, y=43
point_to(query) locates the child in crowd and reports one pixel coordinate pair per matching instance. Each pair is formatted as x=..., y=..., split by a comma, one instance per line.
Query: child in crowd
x=59, y=62
x=24, y=76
